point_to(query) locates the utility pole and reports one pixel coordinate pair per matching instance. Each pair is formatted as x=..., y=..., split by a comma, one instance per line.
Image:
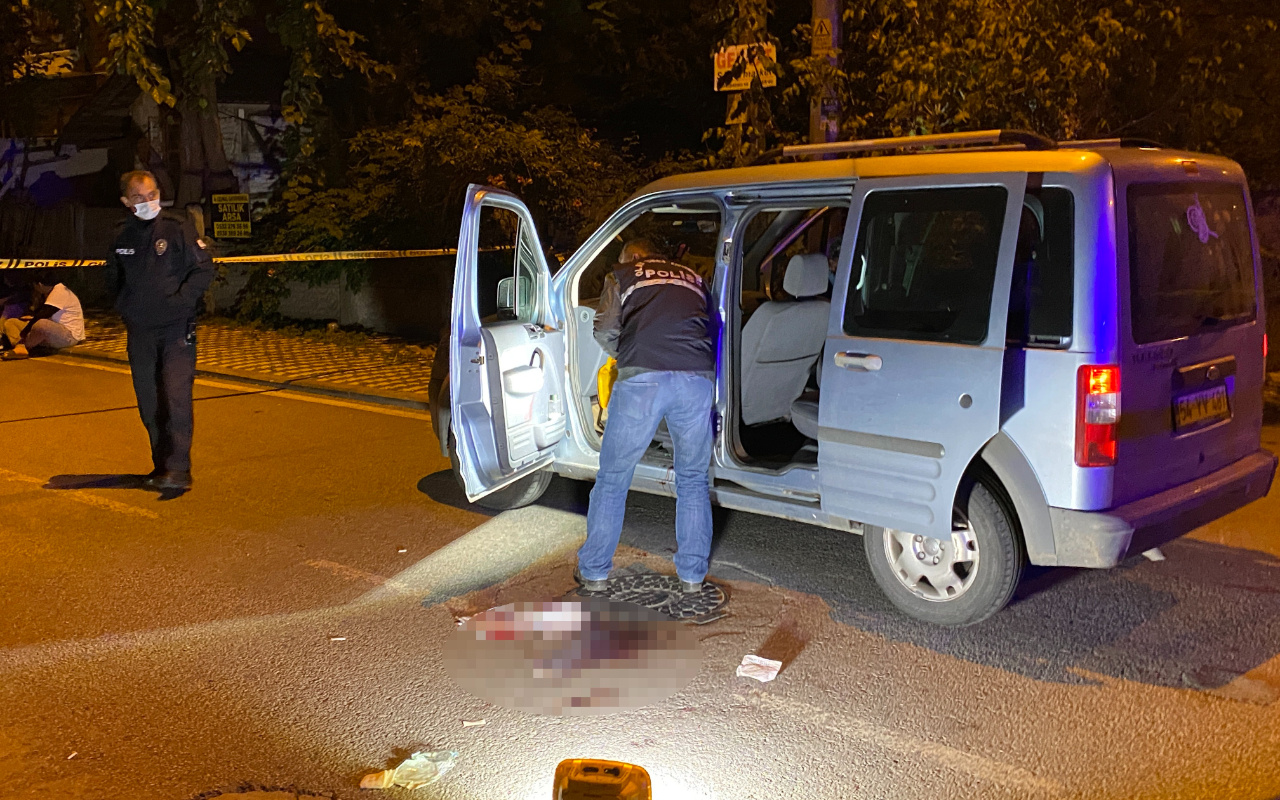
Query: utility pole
x=824, y=111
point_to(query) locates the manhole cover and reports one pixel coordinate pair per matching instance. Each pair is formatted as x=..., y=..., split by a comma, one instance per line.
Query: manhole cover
x=662, y=594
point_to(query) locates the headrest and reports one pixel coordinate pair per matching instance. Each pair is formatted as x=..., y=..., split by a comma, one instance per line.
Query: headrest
x=806, y=275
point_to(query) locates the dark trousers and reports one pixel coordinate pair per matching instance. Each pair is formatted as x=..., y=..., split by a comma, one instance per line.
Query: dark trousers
x=163, y=363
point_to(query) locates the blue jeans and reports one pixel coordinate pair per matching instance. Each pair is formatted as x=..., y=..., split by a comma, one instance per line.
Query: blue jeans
x=636, y=407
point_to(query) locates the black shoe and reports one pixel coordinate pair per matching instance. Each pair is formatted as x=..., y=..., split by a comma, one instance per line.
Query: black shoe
x=691, y=587
x=591, y=586
x=169, y=480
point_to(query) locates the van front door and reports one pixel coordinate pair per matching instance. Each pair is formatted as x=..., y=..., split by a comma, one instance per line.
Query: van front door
x=506, y=366
x=915, y=347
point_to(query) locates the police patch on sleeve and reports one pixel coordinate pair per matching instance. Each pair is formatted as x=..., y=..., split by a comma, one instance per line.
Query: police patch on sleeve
x=161, y=246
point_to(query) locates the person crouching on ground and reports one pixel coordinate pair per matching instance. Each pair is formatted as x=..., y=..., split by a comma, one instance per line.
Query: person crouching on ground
x=655, y=319
x=56, y=322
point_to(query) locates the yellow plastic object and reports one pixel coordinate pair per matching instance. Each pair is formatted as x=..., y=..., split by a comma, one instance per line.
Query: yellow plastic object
x=592, y=779
x=605, y=379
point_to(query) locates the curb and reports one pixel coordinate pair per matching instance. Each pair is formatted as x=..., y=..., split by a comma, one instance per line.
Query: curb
x=417, y=402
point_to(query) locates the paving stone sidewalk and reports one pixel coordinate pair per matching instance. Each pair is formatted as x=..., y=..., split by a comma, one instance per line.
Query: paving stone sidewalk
x=378, y=366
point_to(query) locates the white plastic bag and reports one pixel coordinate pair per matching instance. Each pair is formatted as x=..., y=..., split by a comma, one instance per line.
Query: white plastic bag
x=418, y=770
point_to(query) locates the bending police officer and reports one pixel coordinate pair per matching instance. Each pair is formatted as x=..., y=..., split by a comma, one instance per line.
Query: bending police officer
x=655, y=318
x=161, y=271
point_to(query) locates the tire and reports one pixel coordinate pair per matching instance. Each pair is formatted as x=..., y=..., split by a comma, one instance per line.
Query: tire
x=949, y=591
x=523, y=492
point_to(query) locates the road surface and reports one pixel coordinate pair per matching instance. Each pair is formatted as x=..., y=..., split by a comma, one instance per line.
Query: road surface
x=267, y=631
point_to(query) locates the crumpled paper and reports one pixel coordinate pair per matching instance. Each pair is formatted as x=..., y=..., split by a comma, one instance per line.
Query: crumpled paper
x=762, y=669
x=418, y=770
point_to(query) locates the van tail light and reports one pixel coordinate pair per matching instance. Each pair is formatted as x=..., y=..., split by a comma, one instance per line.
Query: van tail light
x=1097, y=415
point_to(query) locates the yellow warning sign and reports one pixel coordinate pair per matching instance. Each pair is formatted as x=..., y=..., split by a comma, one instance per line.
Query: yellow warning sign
x=231, y=217
x=823, y=45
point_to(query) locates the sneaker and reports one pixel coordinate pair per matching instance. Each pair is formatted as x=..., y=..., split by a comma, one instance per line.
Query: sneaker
x=591, y=586
x=690, y=587
x=170, y=480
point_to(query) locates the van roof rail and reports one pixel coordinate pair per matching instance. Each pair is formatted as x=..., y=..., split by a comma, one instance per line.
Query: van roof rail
x=944, y=141
x=1119, y=141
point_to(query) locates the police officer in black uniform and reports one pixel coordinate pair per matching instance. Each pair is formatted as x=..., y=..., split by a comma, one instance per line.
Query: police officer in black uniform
x=161, y=270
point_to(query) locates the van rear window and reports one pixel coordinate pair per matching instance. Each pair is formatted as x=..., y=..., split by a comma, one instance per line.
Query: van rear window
x=1190, y=259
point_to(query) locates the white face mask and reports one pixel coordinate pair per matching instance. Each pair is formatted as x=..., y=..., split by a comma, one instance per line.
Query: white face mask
x=148, y=210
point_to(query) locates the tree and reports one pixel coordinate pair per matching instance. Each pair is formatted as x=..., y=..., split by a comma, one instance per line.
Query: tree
x=1141, y=68
x=178, y=52
x=402, y=182
x=33, y=30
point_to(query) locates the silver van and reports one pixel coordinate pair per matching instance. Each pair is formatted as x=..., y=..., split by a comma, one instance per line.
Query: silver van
x=977, y=350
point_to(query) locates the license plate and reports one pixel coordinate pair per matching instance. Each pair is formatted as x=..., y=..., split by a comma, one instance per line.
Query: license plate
x=1201, y=408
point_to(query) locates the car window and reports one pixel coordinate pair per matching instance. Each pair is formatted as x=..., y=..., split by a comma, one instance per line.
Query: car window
x=499, y=232
x=924, y=264
x=1041, y=298
x=687, y=233
x=773, y=235
x=1190, y=259
x=528, y=278
x=507, y=252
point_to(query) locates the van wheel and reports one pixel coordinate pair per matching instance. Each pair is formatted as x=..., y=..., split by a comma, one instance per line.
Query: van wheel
x=953, y=582
x=523, y=492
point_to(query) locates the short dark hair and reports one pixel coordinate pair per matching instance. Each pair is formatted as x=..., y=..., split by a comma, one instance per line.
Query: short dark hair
x=133, y=176
x=637, y=249
x=43, y=277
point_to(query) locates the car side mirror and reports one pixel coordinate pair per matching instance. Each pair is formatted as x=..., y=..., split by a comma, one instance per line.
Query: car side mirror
x=507, y=298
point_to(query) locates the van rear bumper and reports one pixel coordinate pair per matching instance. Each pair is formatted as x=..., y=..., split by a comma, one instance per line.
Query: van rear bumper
x=1104, y=538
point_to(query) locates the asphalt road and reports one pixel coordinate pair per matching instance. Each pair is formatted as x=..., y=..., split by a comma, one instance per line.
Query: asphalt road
x=267, y=630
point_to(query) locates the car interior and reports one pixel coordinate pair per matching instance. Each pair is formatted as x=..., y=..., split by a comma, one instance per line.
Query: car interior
x=687, y=233
x=788, y=261
x=778, y=332
x=779, y=325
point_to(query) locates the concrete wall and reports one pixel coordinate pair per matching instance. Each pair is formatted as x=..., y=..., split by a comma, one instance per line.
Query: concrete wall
x=406, y=297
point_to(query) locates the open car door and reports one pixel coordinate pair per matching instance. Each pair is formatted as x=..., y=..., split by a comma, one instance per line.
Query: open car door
x=506, y=349
x=911, y=380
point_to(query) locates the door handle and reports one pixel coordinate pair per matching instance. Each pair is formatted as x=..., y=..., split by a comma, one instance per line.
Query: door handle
x=859, y=362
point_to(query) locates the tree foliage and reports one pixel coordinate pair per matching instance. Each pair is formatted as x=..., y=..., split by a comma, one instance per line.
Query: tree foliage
x=1095, y=68
x=393, y=107
x=402, y=183
x=31, y=31
x=130, y=26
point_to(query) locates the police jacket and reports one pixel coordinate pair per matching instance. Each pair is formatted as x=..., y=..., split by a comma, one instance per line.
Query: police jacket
x=655, y=315
x=159, y=269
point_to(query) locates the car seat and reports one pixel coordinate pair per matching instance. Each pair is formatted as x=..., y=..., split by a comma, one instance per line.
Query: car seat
x=782, y=340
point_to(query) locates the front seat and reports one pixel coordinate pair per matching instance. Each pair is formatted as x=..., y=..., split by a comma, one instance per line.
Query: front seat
x=782, y=340
x=804, y=412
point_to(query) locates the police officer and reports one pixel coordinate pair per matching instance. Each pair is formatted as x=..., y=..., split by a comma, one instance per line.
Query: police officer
x=655, y=318
x=161, y=270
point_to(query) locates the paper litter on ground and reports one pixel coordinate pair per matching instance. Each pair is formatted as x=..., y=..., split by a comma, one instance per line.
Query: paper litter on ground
x=762, y=669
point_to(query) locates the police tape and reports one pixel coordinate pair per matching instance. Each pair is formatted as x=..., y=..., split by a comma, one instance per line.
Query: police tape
x=336, y=255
